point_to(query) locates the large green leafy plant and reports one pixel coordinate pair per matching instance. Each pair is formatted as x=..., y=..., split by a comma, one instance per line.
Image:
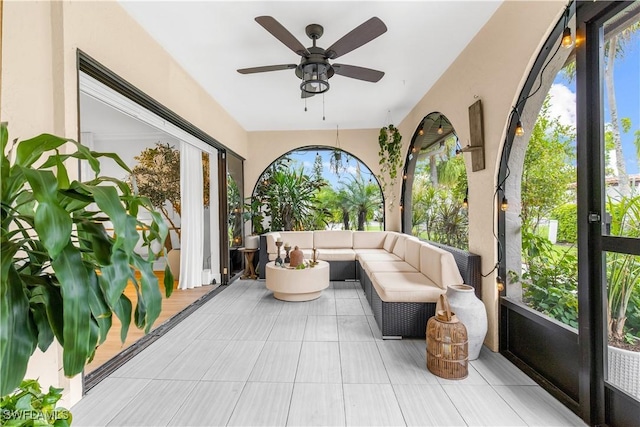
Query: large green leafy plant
x=62, y=274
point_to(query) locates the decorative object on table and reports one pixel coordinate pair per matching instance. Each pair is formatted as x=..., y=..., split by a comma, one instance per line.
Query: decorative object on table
x=251, y=242
x=314, y=257
x=447, y=345
x=472, y=313
x=297, y=257
x=287, y=249
x=278, y=258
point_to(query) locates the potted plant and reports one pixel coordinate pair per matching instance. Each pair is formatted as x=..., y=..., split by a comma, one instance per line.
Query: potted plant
x=390, y=143
x=62, y=275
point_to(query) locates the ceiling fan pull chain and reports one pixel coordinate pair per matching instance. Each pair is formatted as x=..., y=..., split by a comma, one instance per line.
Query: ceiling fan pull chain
x=323, y=106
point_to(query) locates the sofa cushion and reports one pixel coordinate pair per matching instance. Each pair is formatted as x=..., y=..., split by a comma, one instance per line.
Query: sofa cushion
x=369, y=251
x=333, y=239
x=369, y=239
x=399, y=246
x=381, y=256
x=301, y=239
x=387, y=266
x=405, y=287
x=390, y=241
x=412, y=254
x=440, y=266
x=336, y=254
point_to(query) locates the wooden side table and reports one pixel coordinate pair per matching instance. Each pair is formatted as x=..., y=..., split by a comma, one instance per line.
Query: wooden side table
x=249, y=269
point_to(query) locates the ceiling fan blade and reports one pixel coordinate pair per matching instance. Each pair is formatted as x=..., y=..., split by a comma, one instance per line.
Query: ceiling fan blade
x=360, y=73
x=357, y=37
x=304, y=94
x=281, y=33
x=267, y=68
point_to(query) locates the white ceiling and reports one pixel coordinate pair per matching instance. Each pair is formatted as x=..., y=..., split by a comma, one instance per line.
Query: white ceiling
x=211, y=39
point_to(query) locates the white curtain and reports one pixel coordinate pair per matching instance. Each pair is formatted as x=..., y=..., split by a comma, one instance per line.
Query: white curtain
x=192, y=217
x=214, y=224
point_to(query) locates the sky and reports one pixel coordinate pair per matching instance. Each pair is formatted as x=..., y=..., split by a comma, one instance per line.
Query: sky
x=307, y=159
x=627, y=89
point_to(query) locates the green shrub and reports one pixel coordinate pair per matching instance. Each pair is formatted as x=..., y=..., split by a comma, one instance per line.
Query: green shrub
x=29, y=406
x=567, y=216
x=550, y=280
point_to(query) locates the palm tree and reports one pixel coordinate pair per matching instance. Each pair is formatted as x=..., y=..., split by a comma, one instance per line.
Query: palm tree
x=362, y=198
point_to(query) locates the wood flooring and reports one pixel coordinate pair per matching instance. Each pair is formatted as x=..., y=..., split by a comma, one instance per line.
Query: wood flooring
x=179, y=300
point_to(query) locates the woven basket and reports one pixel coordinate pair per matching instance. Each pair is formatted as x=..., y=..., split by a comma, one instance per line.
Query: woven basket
x=447, y=344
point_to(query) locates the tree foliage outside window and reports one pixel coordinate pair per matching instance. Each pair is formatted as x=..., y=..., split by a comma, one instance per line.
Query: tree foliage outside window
x=439, y=187
x=298, y=192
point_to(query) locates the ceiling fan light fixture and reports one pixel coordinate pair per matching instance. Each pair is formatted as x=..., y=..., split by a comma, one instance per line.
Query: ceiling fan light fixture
x=315, y=78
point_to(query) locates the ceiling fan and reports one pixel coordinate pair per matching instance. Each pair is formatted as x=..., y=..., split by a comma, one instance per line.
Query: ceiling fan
x=314, y=69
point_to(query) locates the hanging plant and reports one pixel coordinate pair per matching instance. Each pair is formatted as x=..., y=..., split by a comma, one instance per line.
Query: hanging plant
x=390, y=142
x=335, y=162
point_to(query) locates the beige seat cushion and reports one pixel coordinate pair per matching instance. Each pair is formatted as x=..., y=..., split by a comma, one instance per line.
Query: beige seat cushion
x=369, y=239
x=333, y=239
x=405, y=287
x=336, y=254
x=439, y=266
x=369, y=251
x=388, y=267
x=377, y=257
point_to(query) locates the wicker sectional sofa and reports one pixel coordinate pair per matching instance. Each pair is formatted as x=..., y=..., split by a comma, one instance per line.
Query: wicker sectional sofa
x=402, y=276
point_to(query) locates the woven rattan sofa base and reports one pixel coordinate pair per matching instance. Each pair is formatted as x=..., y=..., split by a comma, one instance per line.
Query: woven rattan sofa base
x=401, y=319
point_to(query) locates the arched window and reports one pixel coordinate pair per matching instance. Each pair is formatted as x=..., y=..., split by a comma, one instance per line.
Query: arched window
x=316, y=188
x=435, y=185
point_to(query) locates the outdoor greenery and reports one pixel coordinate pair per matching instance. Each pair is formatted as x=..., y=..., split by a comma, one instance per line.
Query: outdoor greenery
x=549, y=275
x=548, y=170
x=567, y=217
x=157, y=176
x=287, y=197
x=62, y=275
x=28, y=406
x=439, y=187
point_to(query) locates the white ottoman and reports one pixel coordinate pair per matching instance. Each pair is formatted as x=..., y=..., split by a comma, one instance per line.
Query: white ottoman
x=297, y=285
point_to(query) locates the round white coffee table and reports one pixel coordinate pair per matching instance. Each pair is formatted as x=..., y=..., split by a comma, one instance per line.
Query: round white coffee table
x=297, y=285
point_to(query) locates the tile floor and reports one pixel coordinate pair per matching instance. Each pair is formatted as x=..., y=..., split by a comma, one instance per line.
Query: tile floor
x=246, y=359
